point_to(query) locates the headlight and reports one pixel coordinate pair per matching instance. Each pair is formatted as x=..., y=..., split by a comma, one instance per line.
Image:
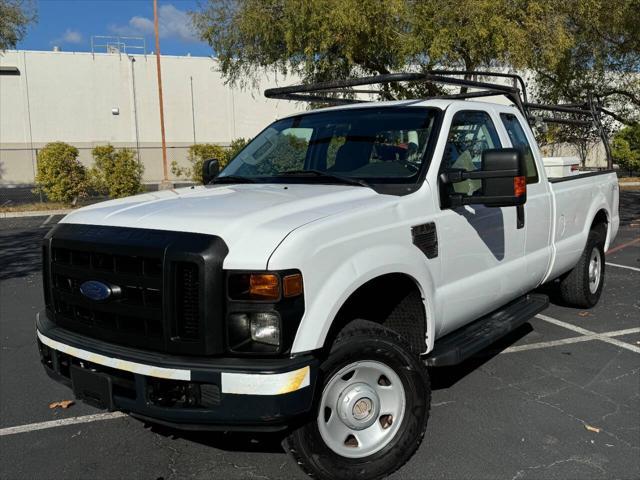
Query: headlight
x=264, y=310
x=265, y=328
x=254, y=332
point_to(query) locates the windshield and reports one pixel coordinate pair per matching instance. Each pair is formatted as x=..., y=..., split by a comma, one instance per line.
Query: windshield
x=370, y=144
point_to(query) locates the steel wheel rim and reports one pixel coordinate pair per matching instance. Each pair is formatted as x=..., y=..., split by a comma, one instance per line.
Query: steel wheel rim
x=361, y=409
x=595, y=270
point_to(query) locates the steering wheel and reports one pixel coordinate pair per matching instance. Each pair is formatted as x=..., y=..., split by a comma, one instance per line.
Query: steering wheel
x=410, y=166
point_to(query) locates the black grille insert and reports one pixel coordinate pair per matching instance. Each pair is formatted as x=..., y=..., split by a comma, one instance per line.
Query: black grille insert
x=133, y=318
x=187, y=303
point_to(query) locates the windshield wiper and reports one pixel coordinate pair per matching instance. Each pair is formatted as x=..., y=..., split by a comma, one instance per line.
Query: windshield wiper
x=232, y=179
x=326, y=175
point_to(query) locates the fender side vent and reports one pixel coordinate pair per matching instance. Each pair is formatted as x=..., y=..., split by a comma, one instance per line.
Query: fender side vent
x=425, y=238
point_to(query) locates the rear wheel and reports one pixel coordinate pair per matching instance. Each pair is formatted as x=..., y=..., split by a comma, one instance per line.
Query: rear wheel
x=582, y=286
x=372, y=409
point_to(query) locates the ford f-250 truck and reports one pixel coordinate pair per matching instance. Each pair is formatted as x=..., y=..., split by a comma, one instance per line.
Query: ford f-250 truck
x=308, y=286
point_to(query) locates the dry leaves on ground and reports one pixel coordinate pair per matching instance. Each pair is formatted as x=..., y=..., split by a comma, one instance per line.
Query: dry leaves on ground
x=61, y=404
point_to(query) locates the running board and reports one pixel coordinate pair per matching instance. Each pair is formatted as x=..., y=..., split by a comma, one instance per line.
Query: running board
x=465, y=342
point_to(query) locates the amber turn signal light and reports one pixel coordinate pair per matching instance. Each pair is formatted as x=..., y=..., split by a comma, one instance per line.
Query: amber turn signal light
x=519, y=186
x=292, y=285
x=264, y=286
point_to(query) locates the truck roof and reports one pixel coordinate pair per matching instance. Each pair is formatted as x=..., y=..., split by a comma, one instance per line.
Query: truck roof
x=440, y=104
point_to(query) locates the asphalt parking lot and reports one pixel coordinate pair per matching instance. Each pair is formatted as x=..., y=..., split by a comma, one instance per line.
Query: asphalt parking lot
x=558, y=399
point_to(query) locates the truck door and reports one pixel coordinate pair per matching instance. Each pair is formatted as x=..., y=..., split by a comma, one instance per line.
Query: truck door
x=537, y=210
x=482, y=250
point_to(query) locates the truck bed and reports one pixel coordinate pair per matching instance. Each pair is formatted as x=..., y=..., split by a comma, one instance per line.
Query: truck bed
x=575, y=201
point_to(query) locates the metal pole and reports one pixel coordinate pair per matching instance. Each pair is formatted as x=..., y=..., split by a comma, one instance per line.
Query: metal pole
x=34, y=160
x=193, y=112
x=165, y=184
x=135, y=104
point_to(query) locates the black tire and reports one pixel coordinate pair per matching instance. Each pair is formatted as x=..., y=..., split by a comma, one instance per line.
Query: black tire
x=367, y=341
x=574, y=286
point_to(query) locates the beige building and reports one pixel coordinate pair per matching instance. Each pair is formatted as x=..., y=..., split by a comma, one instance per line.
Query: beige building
x=90, y=99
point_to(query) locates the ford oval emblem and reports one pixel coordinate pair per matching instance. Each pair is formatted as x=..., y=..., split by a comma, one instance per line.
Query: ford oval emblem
x=95, y=290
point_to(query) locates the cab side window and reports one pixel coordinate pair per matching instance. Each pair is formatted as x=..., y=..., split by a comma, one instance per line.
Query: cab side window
x=519, y=140
x=471, y=133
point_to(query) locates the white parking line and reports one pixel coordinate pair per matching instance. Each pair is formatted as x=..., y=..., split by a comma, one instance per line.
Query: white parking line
x=583, y=331
x=44, y=224
x=552, y=343
x=567, y=341
x=60, y=423
x=623, y=266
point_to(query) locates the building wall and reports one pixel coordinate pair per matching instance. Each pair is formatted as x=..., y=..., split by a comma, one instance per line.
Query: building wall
x=69, y=97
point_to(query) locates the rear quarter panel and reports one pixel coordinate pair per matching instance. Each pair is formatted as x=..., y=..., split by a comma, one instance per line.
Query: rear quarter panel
x=576, y=201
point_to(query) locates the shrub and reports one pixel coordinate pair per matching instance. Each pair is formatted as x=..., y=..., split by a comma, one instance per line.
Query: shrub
x=116, y=172
x=203, y=151
x=235, y=147
x=625, y=148
x=60, y=176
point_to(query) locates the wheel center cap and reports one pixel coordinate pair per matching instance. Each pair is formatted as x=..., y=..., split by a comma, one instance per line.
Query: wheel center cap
x=362, y=408
x=358, y=406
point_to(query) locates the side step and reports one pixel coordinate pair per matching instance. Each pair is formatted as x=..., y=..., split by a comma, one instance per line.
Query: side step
x=461, y=344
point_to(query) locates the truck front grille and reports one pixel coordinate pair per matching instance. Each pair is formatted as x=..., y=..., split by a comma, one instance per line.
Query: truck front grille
x=167, y=288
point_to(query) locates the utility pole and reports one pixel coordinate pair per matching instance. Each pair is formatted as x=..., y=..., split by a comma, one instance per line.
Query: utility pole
x=165, y=184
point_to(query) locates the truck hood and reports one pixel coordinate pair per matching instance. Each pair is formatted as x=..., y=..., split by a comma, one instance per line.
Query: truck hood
x=252, y=219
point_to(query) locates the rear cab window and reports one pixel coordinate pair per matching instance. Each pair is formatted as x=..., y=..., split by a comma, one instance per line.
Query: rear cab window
x=519, y=140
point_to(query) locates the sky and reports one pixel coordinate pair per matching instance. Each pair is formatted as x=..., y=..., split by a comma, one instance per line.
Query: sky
x=70, y=24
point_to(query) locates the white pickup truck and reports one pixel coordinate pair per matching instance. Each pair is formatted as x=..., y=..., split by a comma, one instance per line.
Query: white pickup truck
x=308, y=286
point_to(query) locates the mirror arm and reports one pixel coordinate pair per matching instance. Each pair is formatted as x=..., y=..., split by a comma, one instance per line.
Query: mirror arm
x=456, y=175
x=460, y=200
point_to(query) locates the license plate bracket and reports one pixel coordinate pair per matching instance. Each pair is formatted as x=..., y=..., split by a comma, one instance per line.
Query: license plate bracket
x=91, y=387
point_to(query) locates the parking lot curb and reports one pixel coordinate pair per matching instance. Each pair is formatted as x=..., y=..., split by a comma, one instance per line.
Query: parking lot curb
x=35, y=213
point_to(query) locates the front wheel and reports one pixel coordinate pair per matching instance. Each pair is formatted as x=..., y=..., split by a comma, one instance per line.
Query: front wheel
x=372, y=411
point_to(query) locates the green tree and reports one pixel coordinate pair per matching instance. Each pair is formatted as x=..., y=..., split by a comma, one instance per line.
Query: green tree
x=328, y=39
x=117, y=173
x=574, y=46
x=15, y=17
x=60, y=175
x=625, y=148
x=603, y=58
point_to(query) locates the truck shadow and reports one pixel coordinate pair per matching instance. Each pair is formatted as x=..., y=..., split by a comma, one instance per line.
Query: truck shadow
x=446, y=377
x=489, y=224
x=226, y=441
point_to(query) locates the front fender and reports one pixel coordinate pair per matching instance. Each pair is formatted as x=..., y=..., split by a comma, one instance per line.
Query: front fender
x=326, y=293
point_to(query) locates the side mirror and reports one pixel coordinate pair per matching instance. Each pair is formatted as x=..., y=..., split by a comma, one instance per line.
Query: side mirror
x=210, y=170
x=502, y=176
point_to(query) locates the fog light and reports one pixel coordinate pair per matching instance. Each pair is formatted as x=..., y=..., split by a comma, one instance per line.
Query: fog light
x=265, y=328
